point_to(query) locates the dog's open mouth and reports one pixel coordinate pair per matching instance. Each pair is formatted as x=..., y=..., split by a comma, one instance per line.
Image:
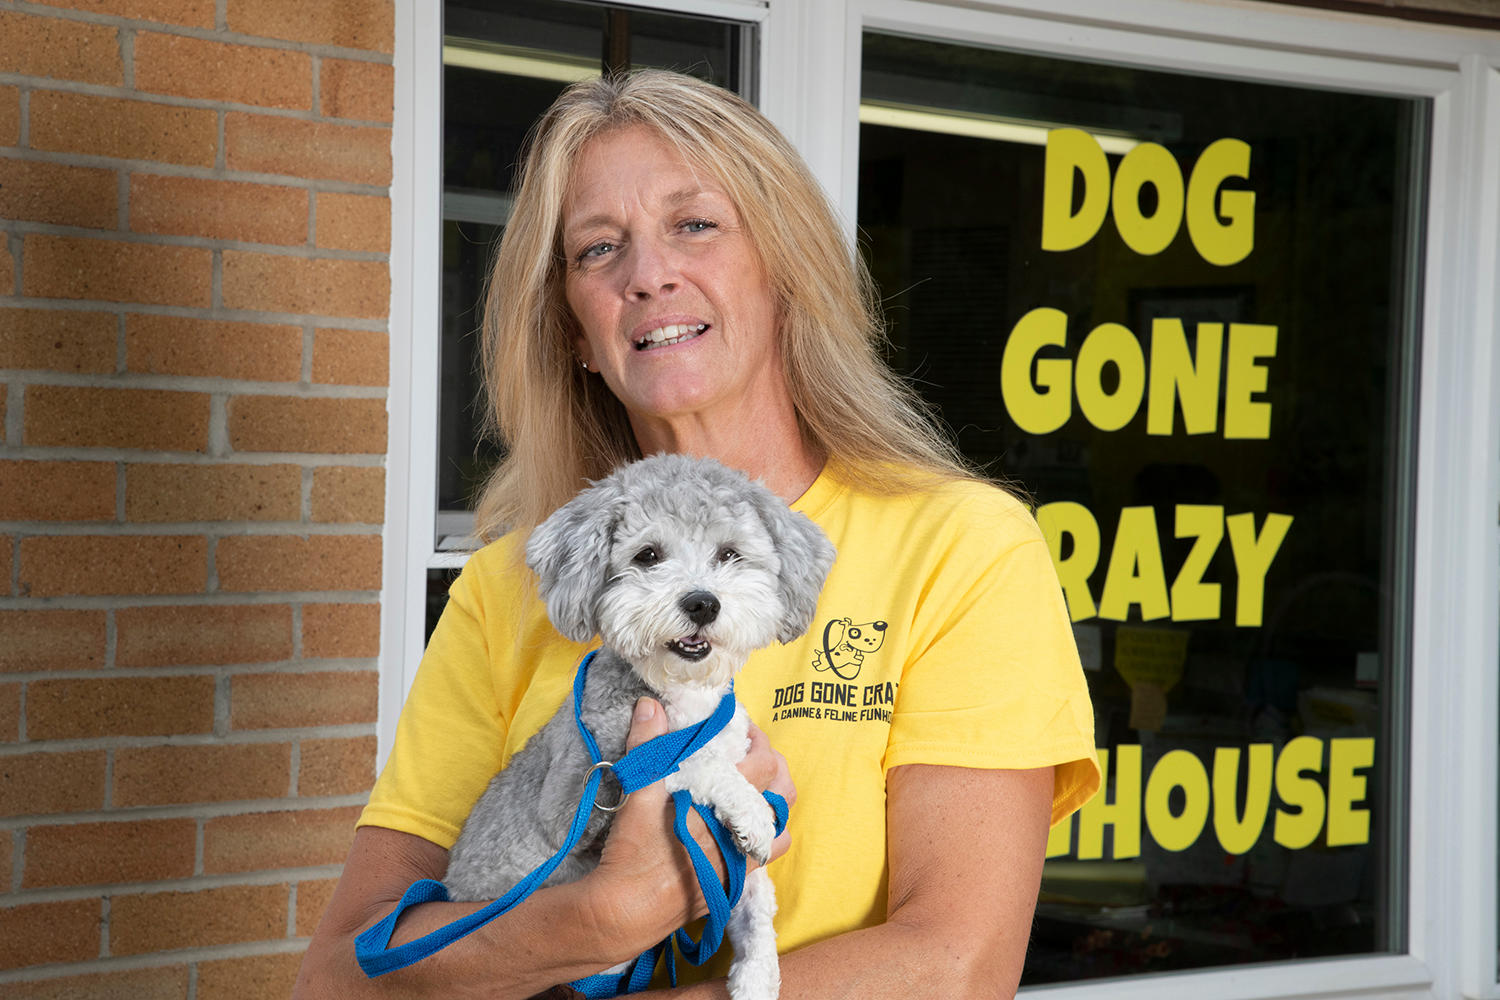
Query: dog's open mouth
x=692, y=647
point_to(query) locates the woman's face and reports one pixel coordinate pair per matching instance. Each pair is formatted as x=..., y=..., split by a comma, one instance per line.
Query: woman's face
x=673, y=302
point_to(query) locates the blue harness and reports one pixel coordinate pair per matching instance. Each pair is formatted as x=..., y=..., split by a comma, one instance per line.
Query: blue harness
x=645, y=765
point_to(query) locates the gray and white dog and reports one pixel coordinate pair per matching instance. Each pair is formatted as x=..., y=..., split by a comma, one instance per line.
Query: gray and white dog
x=683, y=568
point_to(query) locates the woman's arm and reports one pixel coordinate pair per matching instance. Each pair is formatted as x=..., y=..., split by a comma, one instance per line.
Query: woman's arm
x=966, y=853
x=643, y=890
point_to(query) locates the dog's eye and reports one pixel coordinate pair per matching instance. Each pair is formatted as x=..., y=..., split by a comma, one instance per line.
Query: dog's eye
x=647, y=556
x=727, y=554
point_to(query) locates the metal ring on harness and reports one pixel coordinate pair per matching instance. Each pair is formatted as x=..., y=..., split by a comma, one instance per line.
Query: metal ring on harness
x=623, y=795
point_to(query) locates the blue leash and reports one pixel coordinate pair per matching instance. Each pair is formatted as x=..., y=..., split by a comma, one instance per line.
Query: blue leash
x=645, y=765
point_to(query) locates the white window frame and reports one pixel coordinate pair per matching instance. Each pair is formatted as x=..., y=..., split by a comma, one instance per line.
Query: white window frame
x=809, y=85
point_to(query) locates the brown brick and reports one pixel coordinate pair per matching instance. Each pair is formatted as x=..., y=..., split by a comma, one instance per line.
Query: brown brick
x=281, y=562
x=124, y=129
x=351, y=357
x=177, y=345
x=10, y=713
x=57, y=491
x=7, y=547
x=314, y=425
x=73, y=267
x=356, y=89
x=317, y=286
x=263, y=144
x=159, y=776
x=106, y=564
x=41, y=933
x=213, y=493
x=340, y=630
x=221, y=71
x=337, y=767
x=259, y=977
x=7, y=269
x=162, y=982
x=163, y=921
x=312, y=901
x=61, y=49
x=54, y=192
x=265, y=841
x=354, y=222
x=348, y=493
x=201, y=635
x=7, y=852
x=126, y=706
x=222, y=210
x=352, y=24
x=287, y=701
x=46, y=639
x=194, y=13
x=37, y=784
x=100, y=853
x=71, y=416
x=59, y=340
x=10, y=116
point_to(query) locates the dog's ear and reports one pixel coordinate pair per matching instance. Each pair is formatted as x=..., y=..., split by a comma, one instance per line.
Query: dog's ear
x=569, y=552
x=806, y=557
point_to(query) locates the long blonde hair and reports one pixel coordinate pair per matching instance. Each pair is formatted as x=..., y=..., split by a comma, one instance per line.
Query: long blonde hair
x=562, y=426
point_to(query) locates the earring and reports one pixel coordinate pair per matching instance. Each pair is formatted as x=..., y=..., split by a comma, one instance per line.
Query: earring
x=585, y=364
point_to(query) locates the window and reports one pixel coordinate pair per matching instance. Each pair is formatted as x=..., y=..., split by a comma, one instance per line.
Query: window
x=504, y=62
x=1179, y=312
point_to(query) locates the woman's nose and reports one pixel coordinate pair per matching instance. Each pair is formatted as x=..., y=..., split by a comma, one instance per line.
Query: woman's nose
x=652, y=270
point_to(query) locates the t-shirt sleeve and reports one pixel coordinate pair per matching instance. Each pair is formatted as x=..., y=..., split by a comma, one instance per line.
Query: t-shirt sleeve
x=451, y=733
x=993, y=678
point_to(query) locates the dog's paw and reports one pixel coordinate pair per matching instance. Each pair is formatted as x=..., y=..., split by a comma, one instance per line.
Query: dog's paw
x=755, y=845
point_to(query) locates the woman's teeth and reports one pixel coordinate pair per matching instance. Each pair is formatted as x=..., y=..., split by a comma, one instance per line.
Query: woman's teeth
x=672, y=333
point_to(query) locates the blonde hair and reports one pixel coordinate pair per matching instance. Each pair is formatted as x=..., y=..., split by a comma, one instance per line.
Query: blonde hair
x=563, y=426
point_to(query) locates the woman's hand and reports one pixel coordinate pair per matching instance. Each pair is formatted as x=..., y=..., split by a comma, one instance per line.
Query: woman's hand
x=645, y=885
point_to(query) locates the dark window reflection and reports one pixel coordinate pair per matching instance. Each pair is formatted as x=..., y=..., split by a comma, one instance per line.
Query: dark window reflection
x=1310, y=650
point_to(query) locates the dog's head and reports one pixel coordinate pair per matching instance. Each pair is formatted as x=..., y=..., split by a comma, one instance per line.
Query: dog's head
x=682, y=566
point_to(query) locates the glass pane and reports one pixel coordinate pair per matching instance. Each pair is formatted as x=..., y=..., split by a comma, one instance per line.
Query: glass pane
x=1186, y=326
x=505, y=61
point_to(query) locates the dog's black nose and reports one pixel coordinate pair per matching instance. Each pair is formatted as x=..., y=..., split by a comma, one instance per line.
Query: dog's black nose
x=700, y=606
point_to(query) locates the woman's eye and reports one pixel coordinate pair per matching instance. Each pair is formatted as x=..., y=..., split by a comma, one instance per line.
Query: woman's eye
x=728, y=554
x=699, y=225
x=596, y=250
x=647, y=556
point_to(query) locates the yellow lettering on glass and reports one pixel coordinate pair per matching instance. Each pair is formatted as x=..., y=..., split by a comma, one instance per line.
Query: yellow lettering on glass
x=1072, y=152
x=1192, y=599
x=1124, y=813
x=1135, y=574
x=1039, y=407
x=1175, y=376
x=1238, y=833
x=1065, y=517
x=1252, y=558
x=1299, y=829
x=1347, y=825
x=1246, y=418
x=1146, y=164
x=1177, y=769
x=1219, y=242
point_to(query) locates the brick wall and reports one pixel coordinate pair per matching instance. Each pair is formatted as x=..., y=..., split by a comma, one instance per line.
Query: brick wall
x=194, y=227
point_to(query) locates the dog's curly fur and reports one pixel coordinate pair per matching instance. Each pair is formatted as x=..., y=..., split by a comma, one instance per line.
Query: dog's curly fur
x=683, y=568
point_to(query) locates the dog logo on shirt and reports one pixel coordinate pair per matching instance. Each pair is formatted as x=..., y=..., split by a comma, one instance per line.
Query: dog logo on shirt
x=845, y=645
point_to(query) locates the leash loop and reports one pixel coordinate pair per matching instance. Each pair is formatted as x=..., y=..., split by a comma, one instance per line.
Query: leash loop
x=607, y=765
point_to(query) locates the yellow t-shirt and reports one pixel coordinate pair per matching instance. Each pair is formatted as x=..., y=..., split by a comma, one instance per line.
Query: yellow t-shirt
x=940, y=638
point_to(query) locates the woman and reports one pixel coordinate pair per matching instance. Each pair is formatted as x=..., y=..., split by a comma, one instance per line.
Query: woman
x=672, y=280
